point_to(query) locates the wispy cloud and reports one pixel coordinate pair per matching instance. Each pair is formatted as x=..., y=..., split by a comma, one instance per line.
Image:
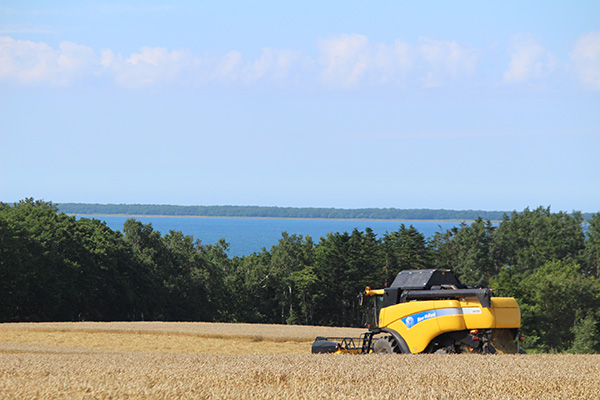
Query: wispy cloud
x=12, y=29
x=85, y=9
x=35, y=63
x=528, y=60
x=349, y=60
x=151, y=66
x=154, y=66
x=586, y=59
x=446, y=60
x=116, y=9
x=341, y=62
x=345, y=59
x=273, y=64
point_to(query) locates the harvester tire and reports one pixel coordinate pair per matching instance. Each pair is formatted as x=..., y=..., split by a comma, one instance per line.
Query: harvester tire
x=386, y=345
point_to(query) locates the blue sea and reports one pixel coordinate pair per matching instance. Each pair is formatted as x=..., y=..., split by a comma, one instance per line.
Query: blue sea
x=248, y=235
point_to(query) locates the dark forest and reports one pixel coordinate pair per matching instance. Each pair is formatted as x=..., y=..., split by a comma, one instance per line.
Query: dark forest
x=55, y=267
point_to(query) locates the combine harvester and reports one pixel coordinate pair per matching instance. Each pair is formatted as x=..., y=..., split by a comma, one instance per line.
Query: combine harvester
x=430, y=311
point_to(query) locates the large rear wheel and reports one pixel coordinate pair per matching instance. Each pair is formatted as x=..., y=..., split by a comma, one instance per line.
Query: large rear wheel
x=386, y=345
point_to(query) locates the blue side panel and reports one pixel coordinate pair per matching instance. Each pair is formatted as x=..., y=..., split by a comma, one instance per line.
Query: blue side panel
x=419, y=317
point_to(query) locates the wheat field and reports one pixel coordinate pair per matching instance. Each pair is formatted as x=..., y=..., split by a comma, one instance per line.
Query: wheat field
x=242, y=361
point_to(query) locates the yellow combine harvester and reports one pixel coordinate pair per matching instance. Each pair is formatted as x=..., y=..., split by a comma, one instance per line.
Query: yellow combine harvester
x=430, y=311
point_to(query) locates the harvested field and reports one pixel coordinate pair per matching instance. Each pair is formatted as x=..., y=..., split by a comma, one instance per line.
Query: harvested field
x=60, y=365
x=172, y=337
x=204, y=329
x=156, y=343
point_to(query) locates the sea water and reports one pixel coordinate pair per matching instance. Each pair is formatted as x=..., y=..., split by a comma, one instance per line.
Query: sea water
x=249, y=235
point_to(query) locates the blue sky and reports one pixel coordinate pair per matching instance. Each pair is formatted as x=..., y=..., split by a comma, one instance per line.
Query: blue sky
x=434, y=104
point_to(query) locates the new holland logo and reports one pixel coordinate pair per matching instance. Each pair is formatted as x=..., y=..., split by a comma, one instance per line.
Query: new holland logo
x=414, y=319
x=431, y=314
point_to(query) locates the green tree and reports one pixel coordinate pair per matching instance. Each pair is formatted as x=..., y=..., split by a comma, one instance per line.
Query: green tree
x=586, y=338
x=469, y=251
x=251, y=291
x=21, y=270
x=527, y=240
x=289, y=261
x=106, y=274
x=35, y=260
x=404, y=249
x=592, y=247
x=187, y=279
x=344, y=265
x=57, y=268
x=552, y=300
x=307, y=291
x=152, y=256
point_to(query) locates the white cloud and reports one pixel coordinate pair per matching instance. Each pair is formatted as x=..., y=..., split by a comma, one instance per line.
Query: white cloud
x=350, y=59
x=228, y=67
x=344, y=58
x=273, y=64
x=35, y=63
x=343, y=61
x=151, y=66
x=445, y=60
x=75, y=60
x=392, y=62
x=586, y=59
x=528, y=60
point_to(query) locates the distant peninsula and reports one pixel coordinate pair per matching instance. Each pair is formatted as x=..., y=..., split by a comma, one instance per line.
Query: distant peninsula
x=278, y=212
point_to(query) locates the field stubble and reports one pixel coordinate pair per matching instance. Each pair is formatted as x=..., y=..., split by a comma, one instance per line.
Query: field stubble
x=164, y=361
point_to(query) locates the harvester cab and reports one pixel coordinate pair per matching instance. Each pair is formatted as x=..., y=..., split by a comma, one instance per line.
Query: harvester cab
x=431, y=311
x=371, y=302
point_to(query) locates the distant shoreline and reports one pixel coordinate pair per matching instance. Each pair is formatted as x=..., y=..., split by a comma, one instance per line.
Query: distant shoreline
x=272, y=212
x=287, y=218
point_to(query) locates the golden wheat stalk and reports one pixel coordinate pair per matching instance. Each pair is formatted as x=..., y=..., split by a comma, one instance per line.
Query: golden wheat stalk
x=99, y=363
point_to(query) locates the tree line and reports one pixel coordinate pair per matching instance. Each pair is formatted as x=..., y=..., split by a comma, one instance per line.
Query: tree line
x=277, y=212
x=56, y=267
